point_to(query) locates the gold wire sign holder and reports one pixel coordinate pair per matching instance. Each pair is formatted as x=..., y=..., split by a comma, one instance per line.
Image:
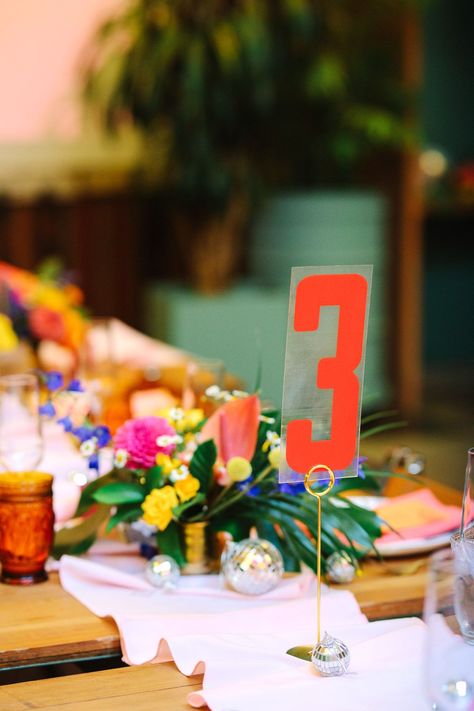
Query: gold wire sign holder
x=330, y=656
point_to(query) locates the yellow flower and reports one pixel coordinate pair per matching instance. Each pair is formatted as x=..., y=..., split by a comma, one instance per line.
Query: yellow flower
x=239, y=468
x=182, y=420
x=274, y=457
x=158, y=505
x=166, y=463
x=8, y=338
x=187, y=488
x=192, y=418
x=50, y=297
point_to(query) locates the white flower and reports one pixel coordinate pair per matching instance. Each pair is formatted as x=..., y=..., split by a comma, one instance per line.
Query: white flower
x=180, y=473
x=89, y=447
x=267, y=420
x=240, y=394
x=213, y=391
x=274, y=438
x=143, y=527
x=166, y=440
x=176, y=414
x=121, y=458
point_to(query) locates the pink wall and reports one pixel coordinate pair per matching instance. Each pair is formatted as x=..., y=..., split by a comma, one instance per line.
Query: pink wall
x=40, y=45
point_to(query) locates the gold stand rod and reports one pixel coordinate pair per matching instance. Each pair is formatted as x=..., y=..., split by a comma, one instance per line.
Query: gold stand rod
x=319, y=495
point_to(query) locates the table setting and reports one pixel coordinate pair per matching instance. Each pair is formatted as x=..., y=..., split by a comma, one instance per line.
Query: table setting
x=244, y=544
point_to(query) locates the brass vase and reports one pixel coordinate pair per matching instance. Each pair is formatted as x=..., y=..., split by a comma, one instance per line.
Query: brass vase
x=199, y=548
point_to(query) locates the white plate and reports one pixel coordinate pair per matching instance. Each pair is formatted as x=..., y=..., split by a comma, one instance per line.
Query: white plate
x=400, y=547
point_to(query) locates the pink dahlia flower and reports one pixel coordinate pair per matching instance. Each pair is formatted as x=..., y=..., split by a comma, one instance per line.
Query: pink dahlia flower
x=138, y=438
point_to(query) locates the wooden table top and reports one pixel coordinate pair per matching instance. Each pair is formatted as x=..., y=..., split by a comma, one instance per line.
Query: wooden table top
x=157, y=686
x=43, y=623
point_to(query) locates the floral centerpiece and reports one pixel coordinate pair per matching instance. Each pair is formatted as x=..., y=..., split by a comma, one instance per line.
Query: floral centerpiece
x=178, y=469
x=38, y=307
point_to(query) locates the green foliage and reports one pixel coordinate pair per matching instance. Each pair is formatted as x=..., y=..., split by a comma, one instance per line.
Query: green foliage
x=169, y=543
x=192, y=506
x=124, y=513
x=154, y=478
x=271, y=422
x=201, y=464
x=87, y=495
x=119, y=492
x=289, y=520
x=284, y=92
x=77, y=539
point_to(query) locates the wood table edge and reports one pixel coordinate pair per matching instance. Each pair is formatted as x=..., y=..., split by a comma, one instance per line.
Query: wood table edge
x=99, y=648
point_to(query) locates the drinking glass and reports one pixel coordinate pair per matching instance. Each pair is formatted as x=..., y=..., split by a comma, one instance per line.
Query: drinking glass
x=449, y=615
x=21, y=442
x=98, y=372
x=468, y=494
x=200, y=375
x=462, y=545
x=26, y=526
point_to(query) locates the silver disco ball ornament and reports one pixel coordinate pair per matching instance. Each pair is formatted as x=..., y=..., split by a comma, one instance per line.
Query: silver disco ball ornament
x=331, y=656
x=340, y=568
x=252, y=566
x=162, y=571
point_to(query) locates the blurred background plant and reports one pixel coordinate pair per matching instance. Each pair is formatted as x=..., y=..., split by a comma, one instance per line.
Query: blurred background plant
x=235, y=96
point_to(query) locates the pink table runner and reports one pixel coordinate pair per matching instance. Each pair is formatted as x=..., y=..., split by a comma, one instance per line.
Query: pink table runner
x=239, y=642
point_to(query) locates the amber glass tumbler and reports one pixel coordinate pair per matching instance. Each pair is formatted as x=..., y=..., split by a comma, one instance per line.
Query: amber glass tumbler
x=26, y=526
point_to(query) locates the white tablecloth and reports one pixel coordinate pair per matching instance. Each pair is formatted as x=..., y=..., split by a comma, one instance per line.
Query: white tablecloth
x=240, y=642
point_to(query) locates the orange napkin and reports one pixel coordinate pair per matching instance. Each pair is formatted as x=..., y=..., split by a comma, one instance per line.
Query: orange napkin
x=418, y=515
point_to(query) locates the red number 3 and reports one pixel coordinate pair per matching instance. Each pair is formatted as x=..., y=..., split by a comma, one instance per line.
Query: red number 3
x=349, y=292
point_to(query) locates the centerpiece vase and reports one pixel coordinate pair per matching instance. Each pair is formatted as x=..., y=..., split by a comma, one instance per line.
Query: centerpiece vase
x=199, y=548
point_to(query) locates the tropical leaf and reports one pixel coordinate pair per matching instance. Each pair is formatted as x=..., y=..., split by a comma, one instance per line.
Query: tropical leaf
x=70, y=539
x=195, y=501
x=383, y=428
x=202, y=463
x=169, y=543
x=125, y=512
x=154, y=478
x=87, y=500
x=290, y=560
x=120, y=492
x=238, y=526
x=341, y=521
x=369, y=520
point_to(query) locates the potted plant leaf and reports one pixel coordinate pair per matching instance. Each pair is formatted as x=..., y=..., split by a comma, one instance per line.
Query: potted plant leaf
x=236, y=95
x=196, y=79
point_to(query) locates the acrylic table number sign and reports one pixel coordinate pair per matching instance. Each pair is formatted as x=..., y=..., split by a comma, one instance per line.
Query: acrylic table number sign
x=322, y=399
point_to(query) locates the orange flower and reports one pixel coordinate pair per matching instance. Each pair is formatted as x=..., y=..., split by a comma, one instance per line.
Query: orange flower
x=75, y=329
x=234, y=428
x=47, y=324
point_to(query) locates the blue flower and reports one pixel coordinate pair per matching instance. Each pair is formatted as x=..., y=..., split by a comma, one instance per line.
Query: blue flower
x=292, y=489
x=147, y=550
x=253, y=491
x=54, y=380
x=47, y=409
x=75, y=386
x=66, y=423
x=82, y=433
x=94, y=461
x=102, y=433
x=360, y=467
